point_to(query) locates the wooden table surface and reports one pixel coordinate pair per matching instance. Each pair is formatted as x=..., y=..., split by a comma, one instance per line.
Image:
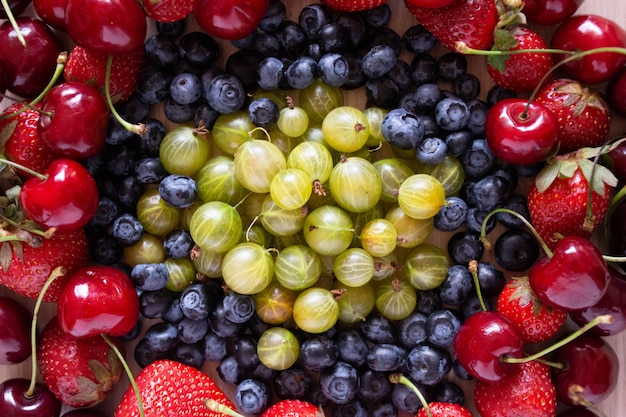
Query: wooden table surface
x=616, y=10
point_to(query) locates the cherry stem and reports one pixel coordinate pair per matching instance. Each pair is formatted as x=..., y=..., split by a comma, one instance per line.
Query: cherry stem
x=42, y=177
x=401, y=379
x=57, y=272
x=136, y=128
x=483, y=229
x=11, y=17
x=218, y=407
x=473, y=268
x=602, y=319
x=133, y=383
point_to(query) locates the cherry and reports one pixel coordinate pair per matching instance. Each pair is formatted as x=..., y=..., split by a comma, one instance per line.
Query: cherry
x=550, y=12
x=616, y=93
x=574, y=277
x=74, y=120
x=586, y=32
x=16, y=7
x=108, y=26
x=519, y=132
x=618, y=155
x=52, y=12
x=228, y=19
x=15, y=333
x=98, y=300
x=66, y=197
x=15, y=401
x=84, y=412
x=28, y=70
x=590, y=371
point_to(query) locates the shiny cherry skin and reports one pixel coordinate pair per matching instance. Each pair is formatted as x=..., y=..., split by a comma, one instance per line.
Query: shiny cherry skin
x=17, y=7
x=616, y=92
x=28, y=70
x=84, y=412
x=550, y=12
x=98, y=300
x=66, y=199
x=613, y=302
x=227, y=19
x=15, y=403
x=107, y=26
x=520, y=133
x=52, y=12
x=618, y=155
x=15, y=331
x=481, y=343
x=575, y=277
x=78, y=122
x=590, y=363
x=585, y=32
x=616, y=229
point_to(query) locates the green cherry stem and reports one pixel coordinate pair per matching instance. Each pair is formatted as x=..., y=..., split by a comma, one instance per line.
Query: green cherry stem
x=218, y=407
x=473, y=268
x=42, y=177
x=138, y=128
x=16, y=28
x=129, y=373
x=57, y=272
x=401, y=379
x=602, y=319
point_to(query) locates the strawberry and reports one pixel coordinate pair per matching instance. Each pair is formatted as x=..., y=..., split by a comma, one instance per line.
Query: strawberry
x=469, y=21
x=79, y=372
x=352, y=5
x=518, y=72
x=558, y=195
x=171, y=389
x=535, y=321
x=528, y=392
x=583, y=115
x=20, y=140
x=293, y=408
x=440, y=409
x=167, y=10
x=88, y=66
x=24, y=268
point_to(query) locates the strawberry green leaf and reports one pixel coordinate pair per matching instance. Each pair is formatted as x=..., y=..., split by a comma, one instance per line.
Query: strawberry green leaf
x=6, y=133
x=6, y=256
x=589, y=153
x=546, y=177
x=503, y=41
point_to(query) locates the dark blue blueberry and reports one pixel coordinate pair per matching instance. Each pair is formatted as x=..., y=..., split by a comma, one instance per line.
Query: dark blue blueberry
x=405, y=400
x=442, y=327
x=389, y=37
x=448, y=392
x=351, y=347
x=490, y=279
x=198, y=48
x=174, y=314
x=354, y=408
x=162, y=51
x=431, y=128
x=497, y=93
x=215, y=347
x=509, y=173
x=384, y=409
x=178, y=244
x=377, y=329
x=126, y=229
x=451, y=66
x=245, y=349
x=385, y=357
x=291, y=37
x=197, y=301
x=121, y=159
x=251, y=396
x=472, y=306
x=356, y=31
x=246, y=42
x=128, y=190
x=332, y=37
x=400, y=74
x=313, y=17
x=428, y=301
x=106, y=212
x=116, y=133
x=452, y=114
x=263, y=373
x=476, y=218
x=431, y=151
x=144, y=355
x=378, y=61
x=153, y=85
x=333, y=69
x=424, y=69
x=263, y=112
x=149, y=277
x=428, y=365
x=407, y=102
x=178, y=112
x=162, y=336
x=105, y=250
x=402, y=129
x=516, y=250
x=375, y=385
x=340, y=382
x=529, y=170
x=412, y=330
x=301, y=72
x=225, y=93
x=154, y=304
x=238, y=308
x=292, y=383
x=356, y=78
x=229, y=371
x=178, y=190
x=276, y=12
x=491, y=192
x=318, y=352
x=150, y=141
x=427, y=96
x=466, y=86
x=222, y=326
x=134, y=110
x=382, y=92
x=460, y=371
x=452, y=214
x=185, y=88
x=266, y=44
x=479, y=160
x=134, y=333
x=378, y=16
x=464, y=247
x=205, y=116
x=458, y=285
x=517, y=203
x=417, y=39
x=189, y=354
x=270, y=72
x=150, y=170
x=173, y=29
x=478, y=114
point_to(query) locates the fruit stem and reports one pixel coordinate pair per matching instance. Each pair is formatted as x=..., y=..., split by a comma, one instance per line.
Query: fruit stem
x=602, y=319
x=42, y=177
x=483, y=229
x=56, y=272
x=136, y=128
x=133, y=383
x=473, y=268
x=11, y=17
x=401, y=379
x=218, y=407
x=463, y=48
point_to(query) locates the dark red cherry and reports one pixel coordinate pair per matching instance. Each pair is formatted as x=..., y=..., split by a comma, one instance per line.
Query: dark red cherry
x=14, y=332
x=52, y=12
x=17, y=7
x=550, y=12
x=14, y=401
x=84, y=412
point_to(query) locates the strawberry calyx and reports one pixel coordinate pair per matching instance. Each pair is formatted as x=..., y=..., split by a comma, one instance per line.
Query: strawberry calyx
x=523, y=295
x=579, y=97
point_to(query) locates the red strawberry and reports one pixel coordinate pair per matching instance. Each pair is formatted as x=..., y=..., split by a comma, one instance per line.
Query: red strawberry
x=167, y=10
x=79, y=372
x=469, y=21
x=293, y=408
x=535, y=321
x=87, y=66
x=583, y=115
x=439, y=409
x=21, y=142
x=352, y=5
x=24, y=268
x=169, y=388
x=557, y=196
x=528, y=392
x=518, y=72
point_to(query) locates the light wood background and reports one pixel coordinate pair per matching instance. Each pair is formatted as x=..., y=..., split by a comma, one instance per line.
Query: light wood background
x=616, y=10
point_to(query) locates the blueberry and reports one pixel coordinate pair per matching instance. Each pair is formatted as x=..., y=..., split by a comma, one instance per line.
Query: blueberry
x=478, y=114
x=197, y=301
x=385, y=357
x=162, y=51
x=144, y=355
x=428, y=365
x=185, y=88
x=276, y=12
x=402, y=129
x=424, y=69
x=225, y=93
x=340, y=382
x=352, y=348
x=263, y=112
x=516, y=250
x=265, y=44
x=405, y=400
x=458, y=285
x=150, y=276
x=153, y=85
x=246, y=42
x=356, y=77
x=270, y=72
x=497, y=93
x=215, y=347
x=174, y=314
x=378, y=61
x=162, y=336
x=452, y=214
x=417, y=39
x=374, y=385
x=222, y=326
x=464, y=247
x=431, y=128
x=154, y=304
x=387, y=36
x=449, y=392
x=189, y=354
x=412, y=330
x=427, y=96
x=472, y=306
x=294, y=382
x=354, y=408
x=490, y=279
x=291, y=37
x=378, y=16
x=126, y=229
x=478, y=160
x=460, y=371
x=192, y=331
x=400, y=74
x=128, y=190
x=452, y=114
x=251, y=396
x=476, y=218
x=301, y=72
x=466, y=87
x=313, y=17
x=205, y=116
x=178, y=112
x=356, y=31
x=431, y=151
x=134, y=110
x=198, y=48
x=150, y=170
x=451, y=66
x=238, y=308
x=442, y=327
x=172, y=29
x=106, y=212
x=517, y=203
x=245, y=349
x=384, y=409
x=428, y=301
x=334, y=69
x=178, y=244
x=491, y=192
x=332, y=37
x=382, y=92
x=150, y=141
x=229, y=370
x=178, y=190
x=377, y=329
x=318, y=353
